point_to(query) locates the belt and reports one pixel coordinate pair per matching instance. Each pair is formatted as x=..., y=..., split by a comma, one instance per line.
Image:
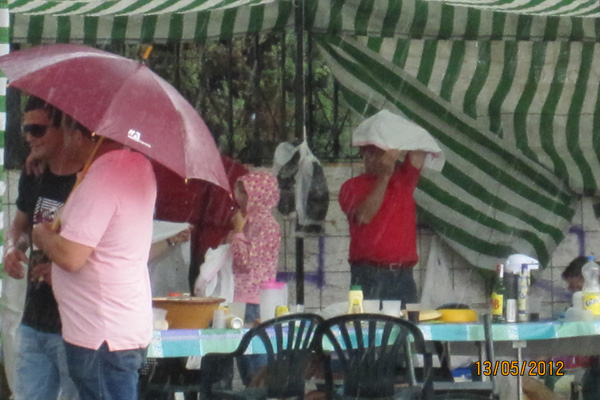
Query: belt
x=391, y=266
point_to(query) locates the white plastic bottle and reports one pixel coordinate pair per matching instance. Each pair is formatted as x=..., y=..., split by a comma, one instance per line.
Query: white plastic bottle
x=591, y=287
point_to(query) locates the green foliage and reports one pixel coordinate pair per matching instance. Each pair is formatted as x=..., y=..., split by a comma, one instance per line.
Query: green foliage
x=244, y=90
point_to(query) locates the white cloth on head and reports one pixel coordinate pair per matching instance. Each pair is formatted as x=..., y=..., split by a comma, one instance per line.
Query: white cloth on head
x=169, y=271
x=387, y=131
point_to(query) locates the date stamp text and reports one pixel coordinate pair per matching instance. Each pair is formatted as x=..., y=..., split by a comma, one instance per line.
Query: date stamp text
x=514, y=368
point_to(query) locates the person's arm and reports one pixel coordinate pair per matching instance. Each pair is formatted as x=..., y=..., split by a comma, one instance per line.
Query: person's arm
x=16, y=242
x=365, y=212
x=68, y=255
x=250, y=253
x=159, y=248
x=370, y=206
x=240, y=245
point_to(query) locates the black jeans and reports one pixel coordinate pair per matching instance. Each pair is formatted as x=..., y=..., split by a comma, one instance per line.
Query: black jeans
x=384, y=284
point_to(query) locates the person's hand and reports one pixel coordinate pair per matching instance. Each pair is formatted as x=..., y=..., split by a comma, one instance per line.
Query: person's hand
x=40, y=233
x=42, y=272
x=34, y=166
x=387, y=162
x=239, y=222
x=12, y=263
x=181, y=237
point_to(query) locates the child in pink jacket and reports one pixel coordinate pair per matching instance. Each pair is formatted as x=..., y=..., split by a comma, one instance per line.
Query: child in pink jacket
x=255, y=238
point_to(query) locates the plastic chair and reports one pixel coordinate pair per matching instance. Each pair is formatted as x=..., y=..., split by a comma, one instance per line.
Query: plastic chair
x=374, y=354
x=278, y=373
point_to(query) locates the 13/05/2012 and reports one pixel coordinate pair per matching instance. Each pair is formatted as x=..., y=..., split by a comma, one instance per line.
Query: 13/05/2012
x=512, y=368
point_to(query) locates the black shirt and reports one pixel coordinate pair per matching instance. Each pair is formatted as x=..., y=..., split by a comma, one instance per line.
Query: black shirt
x=41, y=198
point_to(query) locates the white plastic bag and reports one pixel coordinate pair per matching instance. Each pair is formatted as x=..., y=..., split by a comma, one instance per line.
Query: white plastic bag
x=438, y=289
x=216, y=274
x=302, y=184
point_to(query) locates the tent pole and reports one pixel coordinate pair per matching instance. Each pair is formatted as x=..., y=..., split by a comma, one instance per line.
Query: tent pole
x=299, y=130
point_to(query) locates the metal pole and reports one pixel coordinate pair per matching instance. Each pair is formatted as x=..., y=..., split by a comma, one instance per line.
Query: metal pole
x=299, y=129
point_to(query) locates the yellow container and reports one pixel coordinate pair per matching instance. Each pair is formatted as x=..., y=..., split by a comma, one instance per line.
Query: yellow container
x=458, y=315
x=355, y=300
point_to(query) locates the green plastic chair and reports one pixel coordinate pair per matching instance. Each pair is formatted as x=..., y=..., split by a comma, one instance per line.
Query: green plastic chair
x=373, y=356
x=287, y=343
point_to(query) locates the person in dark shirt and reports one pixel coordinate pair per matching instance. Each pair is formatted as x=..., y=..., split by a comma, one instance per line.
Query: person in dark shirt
x=41, y=369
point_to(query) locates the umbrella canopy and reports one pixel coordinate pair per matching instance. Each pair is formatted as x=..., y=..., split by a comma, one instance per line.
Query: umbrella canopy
x=196, y=201
x=123, y=100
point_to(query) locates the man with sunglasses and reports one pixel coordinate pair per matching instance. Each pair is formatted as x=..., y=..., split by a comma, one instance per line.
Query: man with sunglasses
x=380, y=208
x=41, y=369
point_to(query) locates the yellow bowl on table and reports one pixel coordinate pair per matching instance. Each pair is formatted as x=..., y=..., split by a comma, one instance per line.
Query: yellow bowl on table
x=188, y=312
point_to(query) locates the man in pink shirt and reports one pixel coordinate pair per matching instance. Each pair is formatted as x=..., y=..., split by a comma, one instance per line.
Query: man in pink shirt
x=100, y=274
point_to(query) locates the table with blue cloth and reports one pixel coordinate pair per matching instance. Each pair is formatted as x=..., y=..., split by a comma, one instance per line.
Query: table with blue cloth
x=531, y=340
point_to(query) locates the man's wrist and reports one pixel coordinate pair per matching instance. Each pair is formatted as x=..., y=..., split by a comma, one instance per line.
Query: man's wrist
x=170, y=243
x=9, y=246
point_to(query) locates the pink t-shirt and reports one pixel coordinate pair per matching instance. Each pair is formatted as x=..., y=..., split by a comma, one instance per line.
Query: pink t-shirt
x=109, y=298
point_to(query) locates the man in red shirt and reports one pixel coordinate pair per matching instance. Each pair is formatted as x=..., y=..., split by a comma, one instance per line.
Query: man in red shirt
x=380, y=208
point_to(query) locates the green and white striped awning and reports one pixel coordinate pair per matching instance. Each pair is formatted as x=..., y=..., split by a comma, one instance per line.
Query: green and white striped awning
x=506, y=86
x=158, y=21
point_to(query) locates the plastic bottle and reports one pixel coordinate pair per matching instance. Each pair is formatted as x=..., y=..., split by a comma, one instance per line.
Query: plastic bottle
x=272, y=294
x=498, y=292
x=523, y=293
x=591, y=287
x=511, y=282
x=577, y=312
x=355, y=300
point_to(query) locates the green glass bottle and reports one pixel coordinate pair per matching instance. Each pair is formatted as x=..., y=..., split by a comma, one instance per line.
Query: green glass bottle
x=498, y=296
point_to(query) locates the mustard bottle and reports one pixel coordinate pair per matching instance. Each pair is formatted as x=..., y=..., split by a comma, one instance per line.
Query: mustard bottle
x=355, y=300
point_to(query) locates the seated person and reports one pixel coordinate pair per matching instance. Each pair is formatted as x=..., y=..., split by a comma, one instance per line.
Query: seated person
x=591, y=378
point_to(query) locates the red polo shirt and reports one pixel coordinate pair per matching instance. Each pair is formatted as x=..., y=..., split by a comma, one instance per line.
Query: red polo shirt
x=390, y=237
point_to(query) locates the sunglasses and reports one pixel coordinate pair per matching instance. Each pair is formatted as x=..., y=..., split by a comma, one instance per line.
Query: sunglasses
x=35, y=130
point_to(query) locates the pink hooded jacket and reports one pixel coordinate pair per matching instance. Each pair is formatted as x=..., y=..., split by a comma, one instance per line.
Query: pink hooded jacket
x=256, y=250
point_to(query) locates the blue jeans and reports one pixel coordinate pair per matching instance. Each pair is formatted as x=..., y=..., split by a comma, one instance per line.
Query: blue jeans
x=105, y=375
x=385, y=284
x=41, y=366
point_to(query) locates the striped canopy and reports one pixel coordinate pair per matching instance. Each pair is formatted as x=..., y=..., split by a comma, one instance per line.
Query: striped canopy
x=506, y=87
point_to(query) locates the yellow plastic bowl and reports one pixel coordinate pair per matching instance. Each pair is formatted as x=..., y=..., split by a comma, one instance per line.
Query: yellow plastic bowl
x=188, y=313
x=458, y=315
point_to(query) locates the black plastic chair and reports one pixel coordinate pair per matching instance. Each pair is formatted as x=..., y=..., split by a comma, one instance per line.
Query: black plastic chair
x=374, y=356
x=161, y=378
x=280, y=372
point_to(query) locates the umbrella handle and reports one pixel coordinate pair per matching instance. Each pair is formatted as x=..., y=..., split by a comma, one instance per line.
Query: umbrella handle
x=80, y=176
x=147, y=52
